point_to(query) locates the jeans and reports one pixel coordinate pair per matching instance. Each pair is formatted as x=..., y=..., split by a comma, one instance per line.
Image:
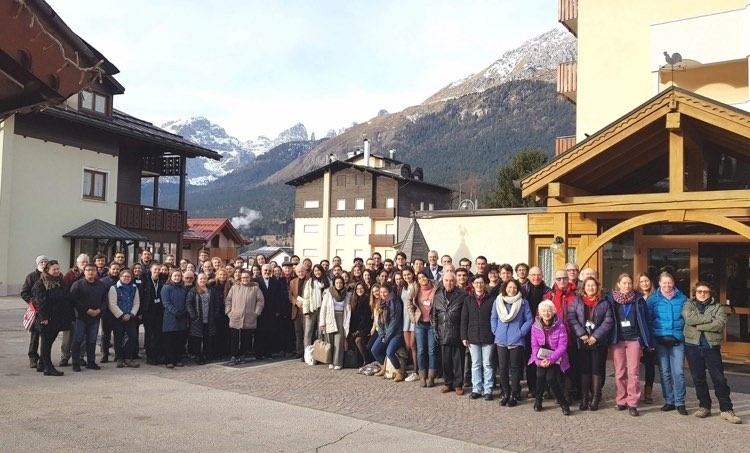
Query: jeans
x=671, y=362
x=85, y=332
x=380, y=350
x=510, y=362
x=482, y=373
x=699, y=361
x=426, y=347
x=125, y=328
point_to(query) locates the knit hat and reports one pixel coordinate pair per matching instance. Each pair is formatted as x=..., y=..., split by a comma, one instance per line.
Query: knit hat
x=41, y=258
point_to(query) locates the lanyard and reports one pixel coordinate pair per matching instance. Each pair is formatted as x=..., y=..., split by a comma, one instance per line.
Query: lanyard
x=626, y=308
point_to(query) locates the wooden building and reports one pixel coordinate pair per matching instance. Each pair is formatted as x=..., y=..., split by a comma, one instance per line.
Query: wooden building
x=218, y=236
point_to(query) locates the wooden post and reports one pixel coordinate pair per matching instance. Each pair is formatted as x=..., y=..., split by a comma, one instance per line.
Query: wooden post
x=156, y=191
x=560, y=228
x=676, y=154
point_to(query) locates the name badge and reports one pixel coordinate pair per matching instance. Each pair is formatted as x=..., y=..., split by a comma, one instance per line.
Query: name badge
x=426, y=303
x=589, y=325
x=625, y=323
x=157, y=301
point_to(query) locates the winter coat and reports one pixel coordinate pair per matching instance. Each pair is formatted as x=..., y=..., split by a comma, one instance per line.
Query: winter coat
x=665, y=315
x=150, y=293
x=475, y=320
x=710, y=323
x=415, y=314
x=328, y=316
x=28, y=285
x=121, y=303
x=641, y=318
x=394, y=325
x=53, y=305
x=511, y=333
x=87, y=296
x=174, y=298
x=194, y=307
x=243, y=305
x=272, y=297
x=558, y=342
x=602, y=317
x=446, y=317
x=361, y=318
x=296, y=292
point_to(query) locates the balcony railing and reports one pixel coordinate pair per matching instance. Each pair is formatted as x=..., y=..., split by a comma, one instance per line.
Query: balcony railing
x=567, y=14
x=381, y=240
x=563, y=144
x=382, y=213
x=139, y=217
x=567, y=80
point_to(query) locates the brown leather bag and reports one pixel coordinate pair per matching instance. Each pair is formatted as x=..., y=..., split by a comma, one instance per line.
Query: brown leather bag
x=322, y=352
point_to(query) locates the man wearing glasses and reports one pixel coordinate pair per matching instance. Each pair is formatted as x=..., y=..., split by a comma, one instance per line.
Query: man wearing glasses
x=571, y=270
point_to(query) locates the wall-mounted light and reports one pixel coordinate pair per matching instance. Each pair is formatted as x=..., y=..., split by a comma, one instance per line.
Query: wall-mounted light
x=557, y=246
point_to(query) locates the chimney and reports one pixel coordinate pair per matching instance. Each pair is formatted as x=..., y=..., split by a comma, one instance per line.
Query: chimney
x=392, y=153
x=332, y=158
x=367, y=153
x=351, y=154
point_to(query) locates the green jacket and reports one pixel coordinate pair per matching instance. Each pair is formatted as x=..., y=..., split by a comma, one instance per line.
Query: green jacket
x=711, y=322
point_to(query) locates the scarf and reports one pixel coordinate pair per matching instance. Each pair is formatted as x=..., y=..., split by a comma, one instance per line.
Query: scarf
x=336, y=294
x=624, y=298
x=515, y=307
x=479, y=300
x=667, y=295
x=590, y=301
x=386, y=310
x=50, y=282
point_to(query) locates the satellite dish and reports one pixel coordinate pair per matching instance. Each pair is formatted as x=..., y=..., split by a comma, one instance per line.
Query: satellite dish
x=466, y=204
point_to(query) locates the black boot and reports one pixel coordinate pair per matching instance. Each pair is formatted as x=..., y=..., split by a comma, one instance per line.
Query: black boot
x=513, y=401
x=596, y=382
x=564, y=406
x=51, y=371
x=585, y=392
x=504, y=399
x=538, y=402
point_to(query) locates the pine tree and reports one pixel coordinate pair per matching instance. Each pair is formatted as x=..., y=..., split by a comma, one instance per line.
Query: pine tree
x=505, y=194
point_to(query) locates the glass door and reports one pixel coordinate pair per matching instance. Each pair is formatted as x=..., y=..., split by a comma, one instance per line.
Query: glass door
x=675, y=261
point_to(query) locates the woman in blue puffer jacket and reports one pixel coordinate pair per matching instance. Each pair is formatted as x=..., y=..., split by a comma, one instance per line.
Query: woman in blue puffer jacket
x=510, y=322
x=667, y=324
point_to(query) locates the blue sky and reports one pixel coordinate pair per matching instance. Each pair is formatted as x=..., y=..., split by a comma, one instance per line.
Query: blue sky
x=258, y=67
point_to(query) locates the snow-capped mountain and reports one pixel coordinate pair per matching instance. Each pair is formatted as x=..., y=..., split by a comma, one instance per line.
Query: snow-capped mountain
x=235, y=153
x=536, y=58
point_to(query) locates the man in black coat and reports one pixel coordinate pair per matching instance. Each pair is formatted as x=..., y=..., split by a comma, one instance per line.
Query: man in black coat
x=286, y=326
x=108, y=319
x=446, y=323
x=267, y=335
x=90, y=299
x=28, y=283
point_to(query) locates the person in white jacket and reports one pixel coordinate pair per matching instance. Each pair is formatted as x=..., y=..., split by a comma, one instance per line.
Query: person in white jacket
x=335, y=314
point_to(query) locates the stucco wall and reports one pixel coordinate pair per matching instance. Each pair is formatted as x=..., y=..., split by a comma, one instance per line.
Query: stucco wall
x=42, y=196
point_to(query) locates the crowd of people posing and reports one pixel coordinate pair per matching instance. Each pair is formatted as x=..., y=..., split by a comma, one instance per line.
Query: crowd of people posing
x=467, y=325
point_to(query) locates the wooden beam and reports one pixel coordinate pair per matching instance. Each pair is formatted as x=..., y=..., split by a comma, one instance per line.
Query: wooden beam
x=676, y=162
x=562, y=190
x=652, y=201
x=723, y=121
x=560, y=228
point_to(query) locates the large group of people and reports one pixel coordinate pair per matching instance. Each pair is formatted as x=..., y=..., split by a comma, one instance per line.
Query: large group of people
x=479, y=325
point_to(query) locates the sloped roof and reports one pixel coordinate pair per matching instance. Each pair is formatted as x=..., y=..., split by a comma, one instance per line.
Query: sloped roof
x=414, y=244
x=99, y=229
x=205, y=229
x=266, y=251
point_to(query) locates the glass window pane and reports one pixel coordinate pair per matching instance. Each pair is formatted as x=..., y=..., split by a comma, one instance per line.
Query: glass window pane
x=87, y=183
x=87, y=100
x=100, y=103
x=99, y=185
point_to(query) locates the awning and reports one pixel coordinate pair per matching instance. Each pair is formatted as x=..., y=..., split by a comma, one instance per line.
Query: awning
x=99, y=229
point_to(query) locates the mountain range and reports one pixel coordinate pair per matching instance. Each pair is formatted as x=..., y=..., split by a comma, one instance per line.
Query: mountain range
x=484, y=118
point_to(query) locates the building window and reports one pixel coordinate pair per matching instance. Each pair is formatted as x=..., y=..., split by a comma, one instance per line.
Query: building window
x=359, y=229
x=359, y=180
x=390, y=203
x=340, y=229
x=94, y=185
x=341, y=180
x=312, y=228
x=431, y=207
x=421, y=205
x=390, y=228
x=93, y=101
x=359, y=204
x=312, y=204
x=340, y=252
x=358, y=253
x=341, y=204
x=309, y=253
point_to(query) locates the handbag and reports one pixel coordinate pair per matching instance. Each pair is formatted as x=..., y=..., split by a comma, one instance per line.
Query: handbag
x=543, y=353
x=668, y=340
x=351, y=359
x=29, y=317
x=322, y=351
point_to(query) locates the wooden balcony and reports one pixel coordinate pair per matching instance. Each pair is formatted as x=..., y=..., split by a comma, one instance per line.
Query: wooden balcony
x=567, y=14
x=382, y=213
x=567, y=80
x=382, y=240
x=138, y=217
x=563, y=144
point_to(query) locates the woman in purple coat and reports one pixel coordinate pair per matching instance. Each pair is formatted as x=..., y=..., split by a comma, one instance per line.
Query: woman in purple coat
x=549, y=343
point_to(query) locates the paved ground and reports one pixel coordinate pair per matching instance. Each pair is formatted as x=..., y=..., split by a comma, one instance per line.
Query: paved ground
x=289, y=406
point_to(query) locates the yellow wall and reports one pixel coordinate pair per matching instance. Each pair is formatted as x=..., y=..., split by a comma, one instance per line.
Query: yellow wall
x=615, y=53
x=40, y=194
x=726, y=82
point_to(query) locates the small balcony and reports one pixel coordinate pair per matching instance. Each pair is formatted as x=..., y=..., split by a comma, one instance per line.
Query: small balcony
x=382, y=240
x=563, y=144
x=139, y=217
x=567, y=80
x=382, y=213
x=567, y=14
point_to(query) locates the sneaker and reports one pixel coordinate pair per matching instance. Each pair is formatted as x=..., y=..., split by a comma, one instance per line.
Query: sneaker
x=337, y=368
x=330, y=367
x=131, y=364
x=170, y=366
x=412, y=377
x=702, y=412
x=730, y=417
x=237, y=360
x=64, y=362
x=120, y=364
x=179, y=364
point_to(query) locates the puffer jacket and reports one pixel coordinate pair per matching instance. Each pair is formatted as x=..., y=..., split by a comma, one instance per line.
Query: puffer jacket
x=665, y=315
x=53, y=305
x=173, y=298
x=446, y=317
x=602, y=317
x=328, y=313
x=243, y=305
x=641, y=318
x=475, y=320
x=511, y=333
x=194, y=307
x=394, y=325
x=710, y=323
x=557, y=341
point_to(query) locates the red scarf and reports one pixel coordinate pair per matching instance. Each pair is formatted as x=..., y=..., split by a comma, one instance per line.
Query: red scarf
x=590, y=301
